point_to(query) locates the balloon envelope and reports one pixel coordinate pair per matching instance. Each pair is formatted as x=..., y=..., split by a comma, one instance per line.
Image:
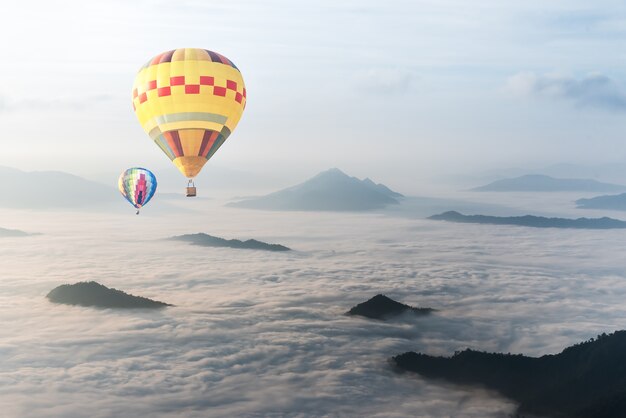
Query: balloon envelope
x=189, y=101
x=137, y=185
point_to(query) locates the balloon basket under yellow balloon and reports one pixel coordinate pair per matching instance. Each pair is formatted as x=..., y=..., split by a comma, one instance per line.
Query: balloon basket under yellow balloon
x=191, y=189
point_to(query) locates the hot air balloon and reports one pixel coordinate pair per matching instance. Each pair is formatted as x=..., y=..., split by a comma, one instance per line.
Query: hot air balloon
x=189, y=101
x=137, y=185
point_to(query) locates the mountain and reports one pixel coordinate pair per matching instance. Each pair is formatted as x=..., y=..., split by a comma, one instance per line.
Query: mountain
x=532, y=221
x=95, y=294
x=609, y=172
x=584, y=380
x=330, y=190
x=50, y=190
x=542, y=183
x=13, y=233
x=609, y=202
x=382, y=307
x=381, y=188
x=206, y=240
x=56, y=190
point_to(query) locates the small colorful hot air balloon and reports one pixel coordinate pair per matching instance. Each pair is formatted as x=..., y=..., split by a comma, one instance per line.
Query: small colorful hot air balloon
x=137, y=185
x=189, y=101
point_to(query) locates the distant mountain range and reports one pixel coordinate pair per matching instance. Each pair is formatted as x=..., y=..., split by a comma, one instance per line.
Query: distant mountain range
x=585, y=380
x=51, y=189
x=382, y=307
x=331, y=190
x=609, y=202
x=97, y=295
x=542, y=183
x=56, y=190
x=13, y=233
x=206, y=240
x=532, y=221
x=608, y=172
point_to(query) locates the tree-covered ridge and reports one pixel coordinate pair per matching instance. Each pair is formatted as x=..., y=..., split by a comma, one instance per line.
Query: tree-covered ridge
x=382, y=307
x=532, y=221
x=206, y=240
x=97, y=295
x=584, y=380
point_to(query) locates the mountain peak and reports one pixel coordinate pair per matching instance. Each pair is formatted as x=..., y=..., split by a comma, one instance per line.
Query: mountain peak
x=330, y=190
x=382, y=307
x=332, y=173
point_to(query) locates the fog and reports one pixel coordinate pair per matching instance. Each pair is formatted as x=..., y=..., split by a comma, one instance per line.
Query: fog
x=255, y=333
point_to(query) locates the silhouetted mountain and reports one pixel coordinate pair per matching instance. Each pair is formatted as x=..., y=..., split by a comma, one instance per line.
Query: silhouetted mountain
x=609, y=202
x=541, y=183
x=382, y=307
x=585, y=380
x=13, y=233
x=331, y=190
x=51, y=189
x=206, y=240
x=532, y=221
x=95, y=294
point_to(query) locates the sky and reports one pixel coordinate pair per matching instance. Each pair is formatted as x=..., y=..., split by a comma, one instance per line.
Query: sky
x=392, y=90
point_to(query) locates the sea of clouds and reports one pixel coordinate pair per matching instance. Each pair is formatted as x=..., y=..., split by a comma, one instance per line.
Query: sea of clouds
x=257, y=333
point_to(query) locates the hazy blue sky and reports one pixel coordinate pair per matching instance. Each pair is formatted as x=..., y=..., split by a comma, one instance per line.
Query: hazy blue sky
x=395, y=87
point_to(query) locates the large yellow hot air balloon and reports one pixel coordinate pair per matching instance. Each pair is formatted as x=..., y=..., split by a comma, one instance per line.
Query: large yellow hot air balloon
x=189, y=101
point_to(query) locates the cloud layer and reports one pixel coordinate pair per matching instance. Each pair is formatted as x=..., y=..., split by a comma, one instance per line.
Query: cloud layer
x=255, y=334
